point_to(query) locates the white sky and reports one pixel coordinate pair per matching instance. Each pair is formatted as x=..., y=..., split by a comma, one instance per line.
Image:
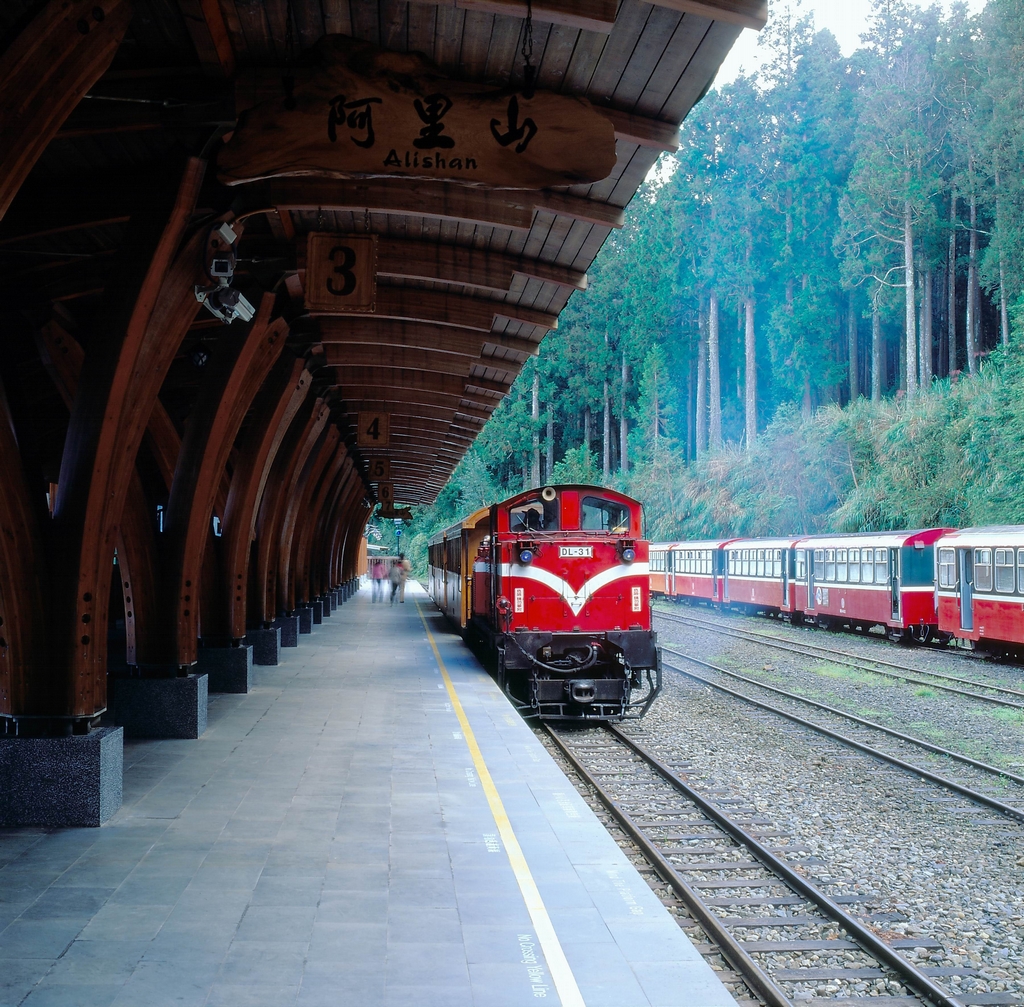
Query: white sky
x=846, y=19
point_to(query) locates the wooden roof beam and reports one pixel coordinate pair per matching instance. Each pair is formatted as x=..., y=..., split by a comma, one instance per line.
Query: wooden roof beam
x=210, y=36
x=413, y=304
x=511, y=208
x=445, y=338
x=587, y=15
x=415, y=381
x=746, y=13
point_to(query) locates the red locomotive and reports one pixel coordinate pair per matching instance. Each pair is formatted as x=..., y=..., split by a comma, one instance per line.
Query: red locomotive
x=554, y=582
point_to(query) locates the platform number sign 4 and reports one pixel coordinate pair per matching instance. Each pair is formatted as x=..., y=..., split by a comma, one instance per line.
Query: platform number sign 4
x=341, y=273
x=374, y=430
x=380, y=470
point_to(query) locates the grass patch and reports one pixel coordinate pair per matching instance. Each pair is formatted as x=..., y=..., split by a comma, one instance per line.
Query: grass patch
x=925, y=693
x=1006, y=715
x=847, y=674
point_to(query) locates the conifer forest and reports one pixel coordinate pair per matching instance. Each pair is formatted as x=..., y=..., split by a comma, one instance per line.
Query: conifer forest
x=813, y=317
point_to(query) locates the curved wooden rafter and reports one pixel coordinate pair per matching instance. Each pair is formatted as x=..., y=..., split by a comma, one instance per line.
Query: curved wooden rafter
x=233, y=378
x=337, y=332
x=285, y=391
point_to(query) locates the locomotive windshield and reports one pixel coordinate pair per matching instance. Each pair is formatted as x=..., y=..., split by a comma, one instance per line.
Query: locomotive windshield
x=534, y=515
x=597, y=514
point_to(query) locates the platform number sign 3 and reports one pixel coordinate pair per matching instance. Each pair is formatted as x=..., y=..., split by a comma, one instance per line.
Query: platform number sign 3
x=374, y=430
x=341, y=273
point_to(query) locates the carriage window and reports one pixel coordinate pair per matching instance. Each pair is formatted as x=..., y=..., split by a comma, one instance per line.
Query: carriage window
x=801, y=564
x=1004, y=571
x=708, y=560
x=842, y=567
x=604, y=515
x=855, y=566
x=830, y=564
x=947, y=568
x=534, y=515
x=657, y=561
x=881, y=566
x=760, y=562
x=1020, y=570
x=866, y=566
x=819, y=564
x=732, y=562
x=983, y=569
x=777, y=565
x=745, y=565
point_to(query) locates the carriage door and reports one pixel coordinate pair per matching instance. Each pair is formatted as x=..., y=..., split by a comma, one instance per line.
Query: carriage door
x=815, y=562
x=670, y=573
x=894, y=582
x=965, y=591
x=787, y=558
x=721, y=569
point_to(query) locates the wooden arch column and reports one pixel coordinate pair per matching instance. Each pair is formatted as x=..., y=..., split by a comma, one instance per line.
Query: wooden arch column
x=305, y=430
x=235, y=375
x=45, y=72
x=307, y=532
x=297, y=505
x=136, y=336
x=275, y=407
x=320, y=568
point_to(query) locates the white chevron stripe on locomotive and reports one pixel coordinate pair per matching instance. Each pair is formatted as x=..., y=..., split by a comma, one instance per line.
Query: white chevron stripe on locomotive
x=575, y=599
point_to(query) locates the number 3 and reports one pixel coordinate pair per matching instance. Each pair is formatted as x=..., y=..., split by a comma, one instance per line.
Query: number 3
x=344, y=269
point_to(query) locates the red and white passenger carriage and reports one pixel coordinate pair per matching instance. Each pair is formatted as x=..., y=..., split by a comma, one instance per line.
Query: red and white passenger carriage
x=555, y=582
x=980, y=586
x=860, y=581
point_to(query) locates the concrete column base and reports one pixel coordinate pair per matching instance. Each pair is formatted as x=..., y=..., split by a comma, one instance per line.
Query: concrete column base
x=325, y=608
x=159, y=707
x=318, y=611
x=266, y=645
x=289, y=627
x=305, y=615
x=229, y=668
x=332, y=597
x=72, y=781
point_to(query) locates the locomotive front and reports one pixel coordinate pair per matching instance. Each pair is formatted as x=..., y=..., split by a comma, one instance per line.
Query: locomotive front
x=564, y=582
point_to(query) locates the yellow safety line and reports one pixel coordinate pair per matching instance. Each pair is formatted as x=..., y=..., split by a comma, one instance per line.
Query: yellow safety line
x=558, y=966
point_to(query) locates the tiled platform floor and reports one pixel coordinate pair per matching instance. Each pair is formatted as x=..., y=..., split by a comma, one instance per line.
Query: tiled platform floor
x=328, y=842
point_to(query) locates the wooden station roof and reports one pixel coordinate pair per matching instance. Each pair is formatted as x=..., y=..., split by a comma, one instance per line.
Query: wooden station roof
x=469, y=278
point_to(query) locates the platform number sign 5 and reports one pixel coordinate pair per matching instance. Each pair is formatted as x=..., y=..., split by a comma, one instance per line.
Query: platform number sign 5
x=374, y=429
x=380, y=470
x=341, y=273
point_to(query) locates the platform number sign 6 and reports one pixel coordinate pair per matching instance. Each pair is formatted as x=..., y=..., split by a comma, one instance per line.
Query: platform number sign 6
x=386, y=494
x=341, y=273
x=373, y=430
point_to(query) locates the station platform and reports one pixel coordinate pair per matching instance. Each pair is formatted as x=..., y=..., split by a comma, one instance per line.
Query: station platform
x=371, y=825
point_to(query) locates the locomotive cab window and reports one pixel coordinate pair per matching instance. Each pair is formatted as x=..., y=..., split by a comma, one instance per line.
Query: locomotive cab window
x=534, y=515
x=855, y=566
x=604, y=515
x=1004, y=571
x=947, y=568
x=983, y=569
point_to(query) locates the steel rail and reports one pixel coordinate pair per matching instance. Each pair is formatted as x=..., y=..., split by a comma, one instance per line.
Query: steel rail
x=754, y=976
x=926, y=774
x=920, y=742
x=910, y=974
x=861, y=663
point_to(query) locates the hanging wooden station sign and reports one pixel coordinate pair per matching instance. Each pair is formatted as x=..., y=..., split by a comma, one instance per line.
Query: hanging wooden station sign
x=360, y=111
x=341, y=272
x=373, y=430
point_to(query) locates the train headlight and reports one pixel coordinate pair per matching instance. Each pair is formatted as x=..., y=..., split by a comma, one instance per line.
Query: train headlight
x=628, y=555
x=526, y=556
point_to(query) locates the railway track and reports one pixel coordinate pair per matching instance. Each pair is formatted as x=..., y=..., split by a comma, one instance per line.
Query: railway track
x=786, y=934
x=1004, y=696
x=975, y=784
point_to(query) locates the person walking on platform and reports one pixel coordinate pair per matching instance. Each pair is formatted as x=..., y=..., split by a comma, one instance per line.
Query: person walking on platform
x=406, y=568
x=395, y=577
x=377, y=575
